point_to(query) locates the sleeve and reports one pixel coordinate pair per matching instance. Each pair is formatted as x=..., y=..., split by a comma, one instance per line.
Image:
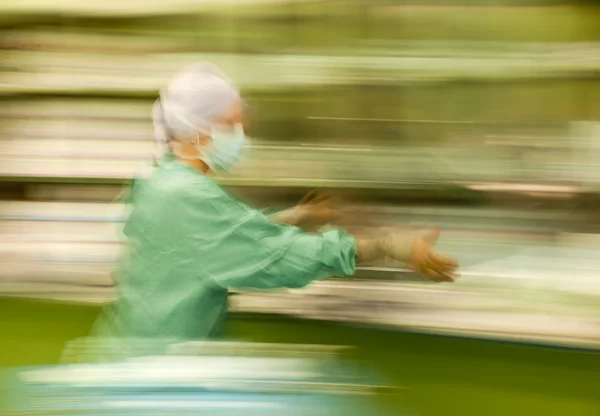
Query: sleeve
x=238, y=247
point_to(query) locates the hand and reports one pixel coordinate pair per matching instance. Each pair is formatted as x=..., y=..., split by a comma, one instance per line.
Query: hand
x=316, y=210
x=415, y=250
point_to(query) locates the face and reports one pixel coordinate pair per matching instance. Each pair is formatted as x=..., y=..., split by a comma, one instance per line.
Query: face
x=232, y=115
x=228, y=119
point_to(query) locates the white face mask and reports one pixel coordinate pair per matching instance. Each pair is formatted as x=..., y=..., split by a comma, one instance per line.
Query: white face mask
x=226, y=148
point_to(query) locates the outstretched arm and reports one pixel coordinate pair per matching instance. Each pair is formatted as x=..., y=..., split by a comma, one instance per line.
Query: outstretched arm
x=313, y=212
x=240, y=247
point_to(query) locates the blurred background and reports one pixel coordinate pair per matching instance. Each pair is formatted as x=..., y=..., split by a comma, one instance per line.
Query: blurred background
x=481, y=116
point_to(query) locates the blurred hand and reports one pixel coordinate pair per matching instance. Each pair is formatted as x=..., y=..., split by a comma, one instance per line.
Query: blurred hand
x=316, y=210
x=415, y=249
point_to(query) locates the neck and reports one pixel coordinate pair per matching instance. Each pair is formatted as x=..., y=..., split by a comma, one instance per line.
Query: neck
x=197, y=164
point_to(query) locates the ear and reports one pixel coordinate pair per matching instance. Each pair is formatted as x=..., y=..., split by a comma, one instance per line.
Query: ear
x=203, y=139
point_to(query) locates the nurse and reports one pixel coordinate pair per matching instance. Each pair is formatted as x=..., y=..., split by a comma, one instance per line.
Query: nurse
x=189, y=241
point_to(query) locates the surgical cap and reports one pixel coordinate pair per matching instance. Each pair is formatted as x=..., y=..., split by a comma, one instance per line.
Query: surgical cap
x=193, y=99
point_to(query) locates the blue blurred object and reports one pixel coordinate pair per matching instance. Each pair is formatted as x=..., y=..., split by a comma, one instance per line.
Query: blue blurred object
x=240, y=380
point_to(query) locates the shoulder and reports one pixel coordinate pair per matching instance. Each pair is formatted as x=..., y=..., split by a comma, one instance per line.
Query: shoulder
x=177, y=185
x=176, y=179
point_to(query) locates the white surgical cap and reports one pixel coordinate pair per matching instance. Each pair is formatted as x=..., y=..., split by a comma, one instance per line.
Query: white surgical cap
x=193, y=99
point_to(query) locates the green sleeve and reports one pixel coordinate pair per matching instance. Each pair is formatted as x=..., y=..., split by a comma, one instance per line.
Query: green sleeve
x=237, y=246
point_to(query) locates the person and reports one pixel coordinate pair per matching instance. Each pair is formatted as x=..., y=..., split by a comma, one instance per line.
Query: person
x=189, y=241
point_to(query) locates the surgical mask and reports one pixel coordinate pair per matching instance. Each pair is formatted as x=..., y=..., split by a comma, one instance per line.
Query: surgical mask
x=226, y=148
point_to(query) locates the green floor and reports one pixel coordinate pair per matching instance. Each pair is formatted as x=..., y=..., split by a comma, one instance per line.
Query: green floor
x=442, y=376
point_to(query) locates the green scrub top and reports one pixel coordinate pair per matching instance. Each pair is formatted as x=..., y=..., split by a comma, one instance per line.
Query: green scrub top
x=188, y=242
